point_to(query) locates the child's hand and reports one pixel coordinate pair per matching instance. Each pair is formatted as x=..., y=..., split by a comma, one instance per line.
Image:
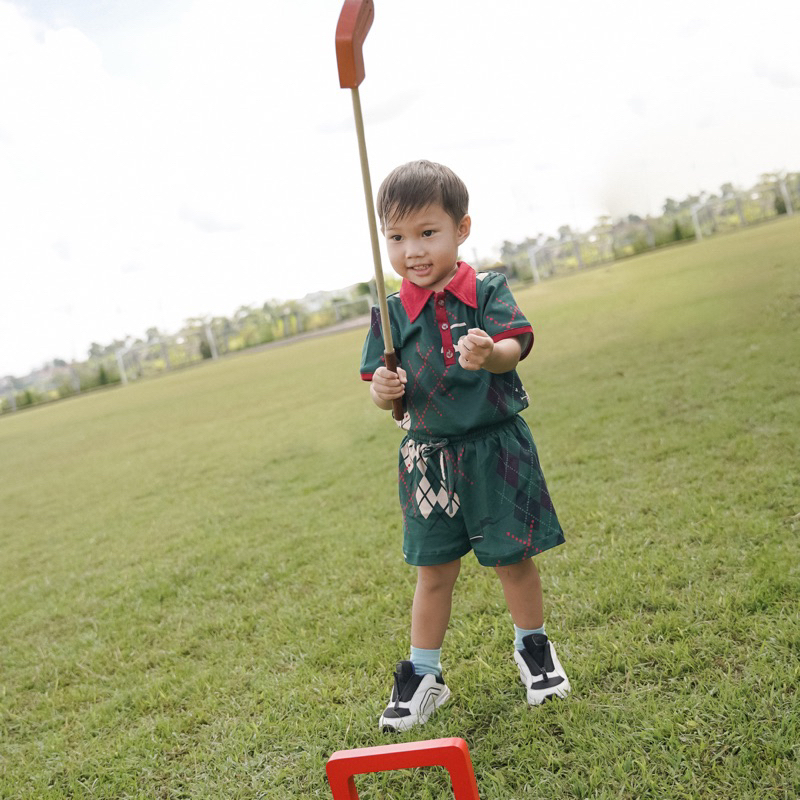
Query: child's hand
x=388, y=385
x=475, y=349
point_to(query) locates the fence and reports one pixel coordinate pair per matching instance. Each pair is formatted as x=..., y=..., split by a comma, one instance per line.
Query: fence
x=543, y=258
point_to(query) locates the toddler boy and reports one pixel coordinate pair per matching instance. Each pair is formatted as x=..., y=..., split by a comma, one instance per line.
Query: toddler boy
x=469, y=472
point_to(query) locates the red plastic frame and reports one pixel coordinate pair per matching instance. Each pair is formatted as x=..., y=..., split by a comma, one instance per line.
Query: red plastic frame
x=453, y=754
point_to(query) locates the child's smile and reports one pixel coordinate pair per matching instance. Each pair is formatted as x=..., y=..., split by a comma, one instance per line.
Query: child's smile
x=423, y=246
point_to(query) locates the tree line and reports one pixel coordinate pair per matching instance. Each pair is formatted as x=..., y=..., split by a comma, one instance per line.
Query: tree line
x=693, y=218
x=534, y=259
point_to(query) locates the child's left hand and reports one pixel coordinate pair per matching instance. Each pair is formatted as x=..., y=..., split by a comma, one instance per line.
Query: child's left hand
x=475, y=349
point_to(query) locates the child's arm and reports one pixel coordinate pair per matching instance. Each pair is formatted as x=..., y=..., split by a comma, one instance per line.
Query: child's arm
x=387, y=386
x=479, y=351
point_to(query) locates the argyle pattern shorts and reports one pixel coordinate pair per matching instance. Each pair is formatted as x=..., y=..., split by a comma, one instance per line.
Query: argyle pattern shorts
x=483, y=491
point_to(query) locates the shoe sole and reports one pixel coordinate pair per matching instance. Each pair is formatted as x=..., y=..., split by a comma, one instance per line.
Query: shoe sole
x=406, y=723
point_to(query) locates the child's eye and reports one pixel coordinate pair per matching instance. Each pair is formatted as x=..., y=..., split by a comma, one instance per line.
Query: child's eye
x=396, y=238
x=426, y=234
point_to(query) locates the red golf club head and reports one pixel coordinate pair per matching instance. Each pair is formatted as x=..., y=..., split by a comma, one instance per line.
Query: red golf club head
x=355, y=21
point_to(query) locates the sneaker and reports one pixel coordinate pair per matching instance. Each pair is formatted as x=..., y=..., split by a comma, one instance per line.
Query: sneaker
x=540, y=670
x=414, y=698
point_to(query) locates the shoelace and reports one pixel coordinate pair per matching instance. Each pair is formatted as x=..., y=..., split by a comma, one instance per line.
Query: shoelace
x=542, y=670
x=397, y=690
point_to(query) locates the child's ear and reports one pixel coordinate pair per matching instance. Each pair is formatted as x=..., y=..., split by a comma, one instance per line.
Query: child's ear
x=463, y=228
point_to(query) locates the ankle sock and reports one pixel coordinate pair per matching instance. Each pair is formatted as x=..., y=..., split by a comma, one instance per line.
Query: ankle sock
x=521, y=633
x=426, y=662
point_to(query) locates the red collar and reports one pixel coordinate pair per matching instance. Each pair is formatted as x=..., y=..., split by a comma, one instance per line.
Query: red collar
x=462, y=285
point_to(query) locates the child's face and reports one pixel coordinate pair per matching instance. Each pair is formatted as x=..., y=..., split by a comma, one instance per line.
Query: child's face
x=423, y=246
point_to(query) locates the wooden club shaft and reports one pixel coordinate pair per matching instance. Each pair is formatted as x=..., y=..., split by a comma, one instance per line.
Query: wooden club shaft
x=386, y=328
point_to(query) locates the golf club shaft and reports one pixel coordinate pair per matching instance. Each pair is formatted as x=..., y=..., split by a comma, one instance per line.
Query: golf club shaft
x=388, y=346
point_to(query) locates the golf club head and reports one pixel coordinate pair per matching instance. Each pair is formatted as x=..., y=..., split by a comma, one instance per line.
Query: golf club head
x=355, y=20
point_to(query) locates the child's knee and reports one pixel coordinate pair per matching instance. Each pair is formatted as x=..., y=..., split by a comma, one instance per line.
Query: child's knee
x=438, y=576
x=521, y=571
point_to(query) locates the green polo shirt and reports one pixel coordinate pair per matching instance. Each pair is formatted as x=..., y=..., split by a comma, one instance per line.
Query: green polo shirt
x=442, y=398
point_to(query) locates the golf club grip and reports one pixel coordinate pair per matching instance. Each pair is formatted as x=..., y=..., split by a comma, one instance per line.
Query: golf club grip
x=398, y=412
x=355, y=20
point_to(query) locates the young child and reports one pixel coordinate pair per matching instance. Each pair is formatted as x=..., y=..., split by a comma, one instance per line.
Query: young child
x=469, y=472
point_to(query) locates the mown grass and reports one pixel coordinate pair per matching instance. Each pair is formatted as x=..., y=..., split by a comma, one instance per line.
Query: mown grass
x=203, y=594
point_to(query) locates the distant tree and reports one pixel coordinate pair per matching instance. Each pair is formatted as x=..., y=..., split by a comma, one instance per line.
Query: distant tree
x=193, y=324
x=691, y=200
x=671, y=206
x=117, y=344
x=508, y=251
x=28, y=398
x=391, y=283
x=243, y=312
x=270, y=311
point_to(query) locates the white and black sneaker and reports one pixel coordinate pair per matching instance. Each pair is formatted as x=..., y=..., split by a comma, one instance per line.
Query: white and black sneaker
x=540, y=670
x=414, y=698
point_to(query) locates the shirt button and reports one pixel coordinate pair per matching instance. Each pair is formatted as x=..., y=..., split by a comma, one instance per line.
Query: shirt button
x=449, y=353
x=440, y=302
x=445, y=326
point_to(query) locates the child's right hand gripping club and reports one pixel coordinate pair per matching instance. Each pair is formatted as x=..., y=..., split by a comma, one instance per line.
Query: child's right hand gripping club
x=355, y=21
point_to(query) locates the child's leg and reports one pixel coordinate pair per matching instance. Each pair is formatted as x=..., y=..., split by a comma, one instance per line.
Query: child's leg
x=523, y=591
x=539, y=667
x=419, y=688
x=433, y=599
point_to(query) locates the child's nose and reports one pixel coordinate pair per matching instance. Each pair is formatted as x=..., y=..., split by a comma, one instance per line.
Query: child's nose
x=414, y=248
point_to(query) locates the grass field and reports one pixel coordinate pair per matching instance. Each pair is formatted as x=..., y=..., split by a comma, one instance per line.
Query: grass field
x=203, y=593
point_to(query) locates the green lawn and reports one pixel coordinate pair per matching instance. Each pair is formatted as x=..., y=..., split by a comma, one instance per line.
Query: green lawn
x=203, y=594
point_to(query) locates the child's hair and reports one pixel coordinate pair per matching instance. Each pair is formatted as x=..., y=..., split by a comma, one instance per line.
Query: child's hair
x=416, y=185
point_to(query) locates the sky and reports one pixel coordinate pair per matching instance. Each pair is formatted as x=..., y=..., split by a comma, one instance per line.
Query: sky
x=167, y=159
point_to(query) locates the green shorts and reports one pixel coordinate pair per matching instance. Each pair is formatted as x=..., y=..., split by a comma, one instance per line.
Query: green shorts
x=483, y=491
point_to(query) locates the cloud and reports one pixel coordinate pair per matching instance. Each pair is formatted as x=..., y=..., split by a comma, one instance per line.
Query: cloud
x=781, y=77
x=638, y=105
x=210, y=145
x=206, y=221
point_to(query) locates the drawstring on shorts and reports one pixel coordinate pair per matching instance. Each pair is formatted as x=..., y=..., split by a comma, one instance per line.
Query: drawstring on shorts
x=445, y=467
x=430, y=444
